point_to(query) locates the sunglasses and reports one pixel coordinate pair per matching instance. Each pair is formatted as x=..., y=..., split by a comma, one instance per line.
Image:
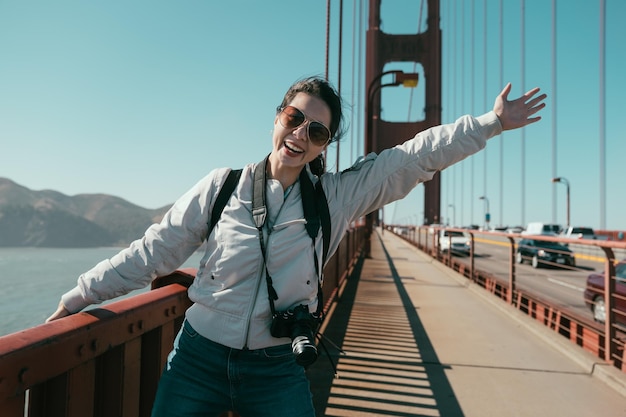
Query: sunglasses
x=291, y=117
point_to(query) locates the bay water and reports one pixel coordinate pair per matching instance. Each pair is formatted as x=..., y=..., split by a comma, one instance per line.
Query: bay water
x=32, y=281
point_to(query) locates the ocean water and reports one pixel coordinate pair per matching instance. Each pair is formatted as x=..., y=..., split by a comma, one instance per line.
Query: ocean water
x=32, y=281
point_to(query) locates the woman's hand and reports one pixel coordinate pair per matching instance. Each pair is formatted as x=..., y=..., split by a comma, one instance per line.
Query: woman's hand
x=517, y=113
x=59, y=313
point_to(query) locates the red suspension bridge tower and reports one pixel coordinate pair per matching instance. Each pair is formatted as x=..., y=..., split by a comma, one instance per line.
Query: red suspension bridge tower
x=423, y=48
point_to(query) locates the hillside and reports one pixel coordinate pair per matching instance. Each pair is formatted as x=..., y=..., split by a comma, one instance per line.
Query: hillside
x=51, y=219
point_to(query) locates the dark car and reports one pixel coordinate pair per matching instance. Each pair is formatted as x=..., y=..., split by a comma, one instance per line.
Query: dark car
x=541, y=252
x=594, y=294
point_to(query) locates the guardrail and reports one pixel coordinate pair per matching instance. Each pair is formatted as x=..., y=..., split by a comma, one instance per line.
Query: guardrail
x=107, y=361
x=605, y=340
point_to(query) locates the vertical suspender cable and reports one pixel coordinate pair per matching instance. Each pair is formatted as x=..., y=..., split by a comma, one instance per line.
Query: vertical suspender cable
x=327, y=53
x=523, y=132
x=353, y=78
x=485, y=90
x=339, y=69
x=602, y=103
x=446, y=176
x=472, y=97
x=455, y=167
x=327, y=37
x=554, y=142
x=462, y=102
x=501, y=37
x=473, y=157
x=360, y=69
x=340, y=47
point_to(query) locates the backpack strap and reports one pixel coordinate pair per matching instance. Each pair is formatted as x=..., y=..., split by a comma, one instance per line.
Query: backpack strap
x=223, y=196
x=309, y=206
x=322, y=207
x=315, y=207
x=314, y=203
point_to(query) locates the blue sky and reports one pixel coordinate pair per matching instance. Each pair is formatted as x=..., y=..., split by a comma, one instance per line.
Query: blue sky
x=140, y=99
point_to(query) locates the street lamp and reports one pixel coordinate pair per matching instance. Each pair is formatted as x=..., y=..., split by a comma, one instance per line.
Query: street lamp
x=487, y=215
x=453, y=215
x=566, y=182
x=400, y=78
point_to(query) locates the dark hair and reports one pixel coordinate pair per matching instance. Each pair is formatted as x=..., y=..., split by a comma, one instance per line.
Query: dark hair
x=322, y=89
x=318, y=165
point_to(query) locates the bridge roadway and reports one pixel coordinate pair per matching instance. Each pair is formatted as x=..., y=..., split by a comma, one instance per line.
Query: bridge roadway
x=421, y=340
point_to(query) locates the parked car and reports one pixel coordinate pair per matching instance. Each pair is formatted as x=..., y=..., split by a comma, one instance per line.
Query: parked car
x=539, y=228
x=575, y=232
x=514, y=229
x=460, y=242
x=594, y=294
x=541, y=252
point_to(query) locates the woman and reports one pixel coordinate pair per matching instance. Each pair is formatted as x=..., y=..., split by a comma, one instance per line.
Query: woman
x=226, y=357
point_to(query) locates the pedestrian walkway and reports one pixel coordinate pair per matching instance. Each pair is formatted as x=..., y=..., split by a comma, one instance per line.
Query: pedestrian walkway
x=421, y=340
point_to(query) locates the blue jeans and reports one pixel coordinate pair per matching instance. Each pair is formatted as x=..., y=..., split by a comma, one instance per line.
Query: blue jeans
x=204, y=378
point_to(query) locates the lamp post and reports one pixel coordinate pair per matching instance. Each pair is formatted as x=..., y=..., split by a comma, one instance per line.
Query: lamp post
x=487, y=215
x=400, y=78
x=566, y=182
x=453, y=215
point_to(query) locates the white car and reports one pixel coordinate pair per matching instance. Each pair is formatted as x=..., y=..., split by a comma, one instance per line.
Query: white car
x=581, y=233
x=460, y=242
x=546, y=229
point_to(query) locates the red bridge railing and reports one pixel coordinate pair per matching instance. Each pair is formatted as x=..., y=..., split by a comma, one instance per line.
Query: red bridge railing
x=107, y=361
x=607, y=340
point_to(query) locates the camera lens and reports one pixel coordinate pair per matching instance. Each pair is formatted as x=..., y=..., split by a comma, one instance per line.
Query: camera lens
x=304, y=350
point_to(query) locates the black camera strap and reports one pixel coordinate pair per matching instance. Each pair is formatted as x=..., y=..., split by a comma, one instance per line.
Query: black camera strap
x=316, y=212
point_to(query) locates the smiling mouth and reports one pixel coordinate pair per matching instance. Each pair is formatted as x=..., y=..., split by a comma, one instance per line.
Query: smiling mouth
x=293, y=148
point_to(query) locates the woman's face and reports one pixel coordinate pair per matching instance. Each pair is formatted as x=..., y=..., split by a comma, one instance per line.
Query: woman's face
x=292, y=146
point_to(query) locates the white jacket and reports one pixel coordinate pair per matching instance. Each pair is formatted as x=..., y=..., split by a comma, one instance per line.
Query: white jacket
x=230, y=298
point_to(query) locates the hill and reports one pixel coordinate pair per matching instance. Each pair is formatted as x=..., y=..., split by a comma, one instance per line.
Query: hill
x=51, y=219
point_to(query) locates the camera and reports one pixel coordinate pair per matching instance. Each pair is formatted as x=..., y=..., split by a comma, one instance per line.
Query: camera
x=299, y=325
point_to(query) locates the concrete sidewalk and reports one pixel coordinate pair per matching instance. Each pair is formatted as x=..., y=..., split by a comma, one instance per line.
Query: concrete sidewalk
x=421, y=340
